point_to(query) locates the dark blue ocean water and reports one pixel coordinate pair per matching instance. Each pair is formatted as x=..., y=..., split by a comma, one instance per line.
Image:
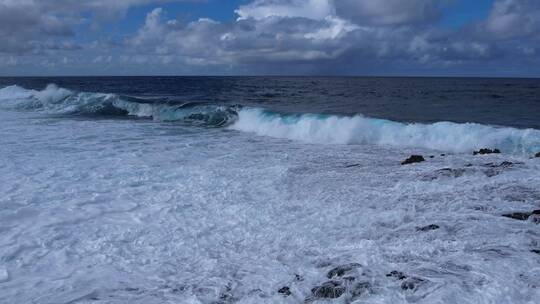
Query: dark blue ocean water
x=505, y=102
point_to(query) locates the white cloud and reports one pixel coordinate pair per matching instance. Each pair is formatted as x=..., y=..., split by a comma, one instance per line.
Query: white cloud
x=513, y=18
x=389, y=12
x=312, y=9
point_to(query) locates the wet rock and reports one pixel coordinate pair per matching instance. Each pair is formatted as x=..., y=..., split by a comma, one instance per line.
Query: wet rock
x=285, y=290
x=352, y=165
x=537, y=251
x=443, y=154
x=329, y=290
x=411, y=283
x=413, y=159
x=432, y=156
x=537, y=154
x=521, y=216
x=486, y=151
x=396, y=275
x=428, y=227
x=341, y=270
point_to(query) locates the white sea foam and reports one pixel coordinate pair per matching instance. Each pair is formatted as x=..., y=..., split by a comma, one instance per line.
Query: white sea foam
x=118, y=211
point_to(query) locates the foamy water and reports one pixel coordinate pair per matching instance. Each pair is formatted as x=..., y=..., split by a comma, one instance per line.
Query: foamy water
x=108, y=210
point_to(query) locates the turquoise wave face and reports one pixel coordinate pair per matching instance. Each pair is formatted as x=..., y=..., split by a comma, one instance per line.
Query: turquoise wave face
x=333, y=129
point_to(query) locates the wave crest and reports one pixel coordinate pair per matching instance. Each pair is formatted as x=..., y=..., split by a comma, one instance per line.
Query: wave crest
x=55, y=100
x=332, y=129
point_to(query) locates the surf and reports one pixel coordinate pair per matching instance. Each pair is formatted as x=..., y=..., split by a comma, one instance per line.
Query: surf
x=359, y=129
x=305, y=127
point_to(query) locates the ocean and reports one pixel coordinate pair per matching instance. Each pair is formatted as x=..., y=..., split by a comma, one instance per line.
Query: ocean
x=269, y=190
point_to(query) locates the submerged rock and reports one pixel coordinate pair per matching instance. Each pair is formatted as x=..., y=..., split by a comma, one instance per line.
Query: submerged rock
x=341, y=270
x=522, y=216
x=330, y=290
x=396, y=275
x=413, y=159
x=486, y=151
x=360, y=288
x=451, y=172
x=428, y=227
x=411, y=283
x=504, y=164
x=285, y=290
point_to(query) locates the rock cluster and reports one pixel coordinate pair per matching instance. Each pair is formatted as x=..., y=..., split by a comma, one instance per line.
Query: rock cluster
x=413, y=159
x=486, y=151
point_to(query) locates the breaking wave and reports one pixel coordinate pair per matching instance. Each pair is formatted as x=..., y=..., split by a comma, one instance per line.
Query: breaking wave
x=55, y=100
x=332, y=129
x=311, y=128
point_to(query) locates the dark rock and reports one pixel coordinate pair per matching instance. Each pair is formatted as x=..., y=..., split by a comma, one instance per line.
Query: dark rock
x=330, y=289
x=522, y=216
x=411, y=283
x=443, y=154
x=486, y=151
x=341, y=270
x=537, y=154
x=298, y=277
x=413, y=159
x=537, y=251
x=468, y=165
x=397, y=275
x=432, y=156
x=352, y=165
x=285, y=290
x=428, y=227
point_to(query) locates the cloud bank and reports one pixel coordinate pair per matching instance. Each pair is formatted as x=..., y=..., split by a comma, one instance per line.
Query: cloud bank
x=365, y=37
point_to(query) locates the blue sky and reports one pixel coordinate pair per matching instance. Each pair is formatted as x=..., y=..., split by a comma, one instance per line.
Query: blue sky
x=291, y=37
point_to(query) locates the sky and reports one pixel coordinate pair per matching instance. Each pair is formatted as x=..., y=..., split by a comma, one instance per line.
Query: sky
x=497, y=38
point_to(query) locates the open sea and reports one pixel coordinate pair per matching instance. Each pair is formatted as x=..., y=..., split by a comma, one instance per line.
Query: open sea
x=218, y=190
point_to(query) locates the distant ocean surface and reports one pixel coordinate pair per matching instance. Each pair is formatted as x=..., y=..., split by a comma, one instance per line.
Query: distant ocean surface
x=269, y=190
